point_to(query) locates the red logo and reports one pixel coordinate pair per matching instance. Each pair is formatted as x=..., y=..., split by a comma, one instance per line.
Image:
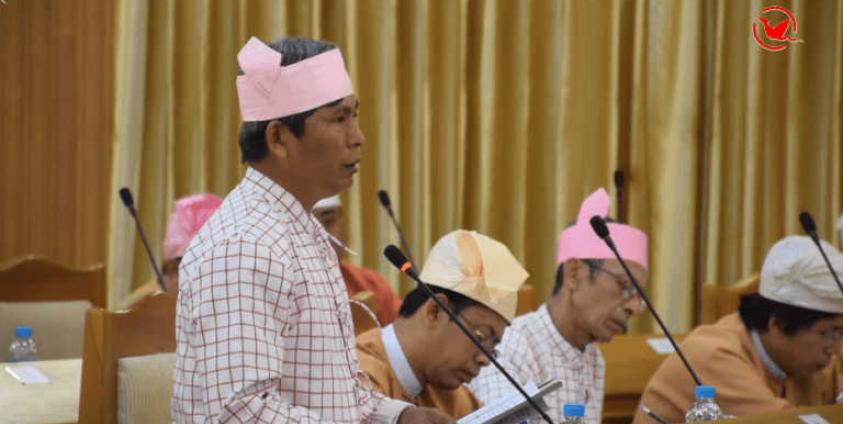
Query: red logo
x=775, y=35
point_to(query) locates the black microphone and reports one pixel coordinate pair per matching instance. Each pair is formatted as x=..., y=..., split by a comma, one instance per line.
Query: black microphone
x=602, y=230
x=618, y=177
x=129, y=202
x=808, y=225
x=397, y=258
x=387, y=205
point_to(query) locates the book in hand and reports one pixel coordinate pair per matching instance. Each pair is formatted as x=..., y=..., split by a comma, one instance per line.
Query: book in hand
x=512, y=407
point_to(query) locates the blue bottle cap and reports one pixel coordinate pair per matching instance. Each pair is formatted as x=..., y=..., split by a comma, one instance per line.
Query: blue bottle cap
x=23, y=332
x=573, y=410
x=704, y=392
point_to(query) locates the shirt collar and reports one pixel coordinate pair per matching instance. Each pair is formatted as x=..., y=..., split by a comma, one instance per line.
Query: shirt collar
x=568, y=352
x=768, y=362
x=279, y=198
x=399, y=364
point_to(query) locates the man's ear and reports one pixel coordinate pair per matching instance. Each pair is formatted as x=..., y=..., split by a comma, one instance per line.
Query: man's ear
x=774, y=326
x=433, y=314
x=278, y=138
x=571, y=273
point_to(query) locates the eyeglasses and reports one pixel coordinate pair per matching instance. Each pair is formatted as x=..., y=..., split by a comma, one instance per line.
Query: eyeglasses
x=834, y=334
x=628, y=291
x=487, y=340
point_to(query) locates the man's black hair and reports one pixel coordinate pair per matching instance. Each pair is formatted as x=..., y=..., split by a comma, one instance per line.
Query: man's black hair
x=417, y=297
x=756, y=311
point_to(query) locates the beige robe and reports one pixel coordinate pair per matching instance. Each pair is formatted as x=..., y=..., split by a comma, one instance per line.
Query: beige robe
x=374, y=362
x=723, y=356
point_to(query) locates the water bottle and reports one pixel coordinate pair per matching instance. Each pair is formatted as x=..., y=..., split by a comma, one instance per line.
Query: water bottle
x=704, y=408
x=23, y=347
x=574, y=413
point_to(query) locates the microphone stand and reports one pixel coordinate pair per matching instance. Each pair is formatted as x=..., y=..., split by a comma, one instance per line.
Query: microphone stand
x=129, y=202
x=599, y=226
x=808, y=225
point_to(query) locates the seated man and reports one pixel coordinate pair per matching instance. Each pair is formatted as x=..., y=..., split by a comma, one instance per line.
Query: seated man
x=777, y=352
x=329, y=212
x=592, y=301
x=423, y=358
x=189, y=214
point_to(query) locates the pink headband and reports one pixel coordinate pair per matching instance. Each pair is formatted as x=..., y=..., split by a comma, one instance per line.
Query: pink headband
x=268, y=90
x=189, y=214
x=580, y=241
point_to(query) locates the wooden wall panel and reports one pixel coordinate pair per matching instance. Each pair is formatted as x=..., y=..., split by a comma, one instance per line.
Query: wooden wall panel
x=56, y=121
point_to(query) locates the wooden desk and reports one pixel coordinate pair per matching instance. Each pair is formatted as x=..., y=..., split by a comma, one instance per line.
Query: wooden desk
x=831, y=413
x=630, y=362
x=54, y=402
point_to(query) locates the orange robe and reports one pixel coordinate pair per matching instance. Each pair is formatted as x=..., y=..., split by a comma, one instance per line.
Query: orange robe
x=359, y=279
x=723, y=356
x=374, y=362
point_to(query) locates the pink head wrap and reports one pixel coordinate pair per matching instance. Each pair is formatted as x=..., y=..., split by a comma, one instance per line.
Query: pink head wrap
x=268, y=90
x=189, y=214
x=580, y=241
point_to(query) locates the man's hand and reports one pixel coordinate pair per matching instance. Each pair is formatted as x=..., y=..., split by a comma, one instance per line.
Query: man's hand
x=413, y=415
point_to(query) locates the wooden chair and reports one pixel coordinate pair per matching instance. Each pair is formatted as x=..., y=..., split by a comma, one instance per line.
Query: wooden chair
x=111, y=338
x=362, y=311
x=526, y=300
x=719, y=301
x=630, y=362
x=52, y=299
x=36, y=279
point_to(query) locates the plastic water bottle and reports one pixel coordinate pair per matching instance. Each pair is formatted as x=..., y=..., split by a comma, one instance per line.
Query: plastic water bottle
x=704, y=408
x=23, y=347
x=574, y=413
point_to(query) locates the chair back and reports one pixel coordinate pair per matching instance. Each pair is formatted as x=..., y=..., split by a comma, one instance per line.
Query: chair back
x=526, y=300
x=362, y=306
x=127, y=362
x=51, y=298
x=719, y=301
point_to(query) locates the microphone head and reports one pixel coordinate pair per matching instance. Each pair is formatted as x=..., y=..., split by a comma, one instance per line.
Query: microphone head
x=384, y=198
x=807, y=223
x=598, y=224
x=126, y=197
x=399, y=260
x=395, y=256
x=618, y=176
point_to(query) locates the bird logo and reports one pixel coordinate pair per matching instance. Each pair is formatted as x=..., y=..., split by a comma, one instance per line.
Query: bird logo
x=776, y=35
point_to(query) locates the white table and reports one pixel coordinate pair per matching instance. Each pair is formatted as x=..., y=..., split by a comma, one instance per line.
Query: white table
x=54, y=402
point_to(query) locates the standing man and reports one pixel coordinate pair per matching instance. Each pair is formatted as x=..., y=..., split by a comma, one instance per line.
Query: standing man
x=592, y=302
x=264, y=331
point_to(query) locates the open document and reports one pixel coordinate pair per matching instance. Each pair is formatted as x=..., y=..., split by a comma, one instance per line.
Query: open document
x=512, y=407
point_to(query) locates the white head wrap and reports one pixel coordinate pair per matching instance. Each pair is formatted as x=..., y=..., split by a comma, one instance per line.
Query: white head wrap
x=795, y=273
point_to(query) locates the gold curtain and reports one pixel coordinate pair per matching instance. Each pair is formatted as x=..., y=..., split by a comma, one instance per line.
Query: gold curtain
x=501, y=116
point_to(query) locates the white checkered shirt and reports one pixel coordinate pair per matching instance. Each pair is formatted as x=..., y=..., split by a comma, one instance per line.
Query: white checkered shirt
x=533, y=350
x=263, y=326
